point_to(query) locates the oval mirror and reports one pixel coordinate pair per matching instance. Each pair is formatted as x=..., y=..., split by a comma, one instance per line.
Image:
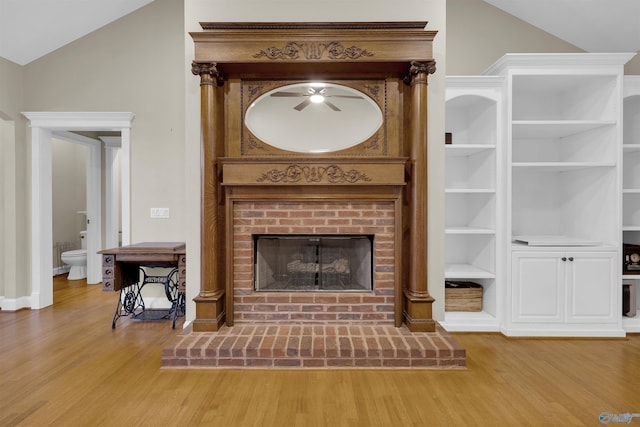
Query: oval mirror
x=313, y=117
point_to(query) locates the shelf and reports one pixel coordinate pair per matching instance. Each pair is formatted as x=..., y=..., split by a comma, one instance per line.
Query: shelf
x=631, y=191
x=555, y=128
x=466, y=271
x=560, y=166
x=463, y=150
x=631, y=228
x=468, y=230
x=552, y=240
x=468, y=321
x=630, y=148
x=523, y=247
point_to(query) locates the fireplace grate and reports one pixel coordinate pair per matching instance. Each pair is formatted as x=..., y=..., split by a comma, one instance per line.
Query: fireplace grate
x=331, y=263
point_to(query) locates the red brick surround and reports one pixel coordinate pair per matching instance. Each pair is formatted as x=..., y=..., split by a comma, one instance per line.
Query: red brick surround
x=309, y=217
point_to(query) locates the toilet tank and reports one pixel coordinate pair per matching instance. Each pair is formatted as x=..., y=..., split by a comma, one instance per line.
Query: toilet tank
x=83, y=239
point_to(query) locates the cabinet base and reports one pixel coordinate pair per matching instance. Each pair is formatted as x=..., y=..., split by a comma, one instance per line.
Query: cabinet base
x=566, y=333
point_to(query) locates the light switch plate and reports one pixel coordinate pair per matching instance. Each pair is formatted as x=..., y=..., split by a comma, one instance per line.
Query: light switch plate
x=159, y=212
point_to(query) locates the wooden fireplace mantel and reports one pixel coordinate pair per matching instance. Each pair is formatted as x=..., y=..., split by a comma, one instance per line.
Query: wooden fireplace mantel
x=391, y=59
x=286, y=49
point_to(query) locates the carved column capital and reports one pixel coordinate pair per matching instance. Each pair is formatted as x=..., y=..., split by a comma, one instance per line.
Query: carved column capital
x=418, y=72
x=208, y=72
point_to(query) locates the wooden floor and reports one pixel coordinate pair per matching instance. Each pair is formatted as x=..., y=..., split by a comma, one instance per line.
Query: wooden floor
x=65, y=366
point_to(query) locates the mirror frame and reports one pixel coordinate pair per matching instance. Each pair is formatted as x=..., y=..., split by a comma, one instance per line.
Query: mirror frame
x=294, y=121
x=375, y=90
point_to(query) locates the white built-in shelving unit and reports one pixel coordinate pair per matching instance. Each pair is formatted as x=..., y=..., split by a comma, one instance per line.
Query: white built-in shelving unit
x=542, y=190
x=631, y=182
x=474, y=117
x=563, y=192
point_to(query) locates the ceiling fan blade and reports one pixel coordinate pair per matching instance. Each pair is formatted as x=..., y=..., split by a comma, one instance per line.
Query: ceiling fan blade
x=330, y=105
x=343, y=96
x=302, y=105
x=287, y=94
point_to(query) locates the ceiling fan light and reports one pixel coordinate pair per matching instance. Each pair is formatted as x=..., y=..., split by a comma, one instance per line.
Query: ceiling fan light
x=316, y=98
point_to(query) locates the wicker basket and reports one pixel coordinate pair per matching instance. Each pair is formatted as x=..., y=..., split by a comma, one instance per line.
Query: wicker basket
x=462, y=296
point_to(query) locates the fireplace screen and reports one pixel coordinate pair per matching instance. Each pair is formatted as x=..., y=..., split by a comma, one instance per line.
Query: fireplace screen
x=313, y=263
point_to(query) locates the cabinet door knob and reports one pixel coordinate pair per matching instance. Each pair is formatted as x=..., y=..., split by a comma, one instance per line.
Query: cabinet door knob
x=564, y=258
x=570, y=258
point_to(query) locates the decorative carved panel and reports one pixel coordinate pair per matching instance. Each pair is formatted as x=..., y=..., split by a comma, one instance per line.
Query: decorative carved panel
x=321, y=171
x=313, y=51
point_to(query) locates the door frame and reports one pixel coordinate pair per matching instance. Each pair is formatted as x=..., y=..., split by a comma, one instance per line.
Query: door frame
x=43, y=125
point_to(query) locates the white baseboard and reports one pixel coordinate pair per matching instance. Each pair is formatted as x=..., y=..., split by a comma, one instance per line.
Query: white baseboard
x=15, y=304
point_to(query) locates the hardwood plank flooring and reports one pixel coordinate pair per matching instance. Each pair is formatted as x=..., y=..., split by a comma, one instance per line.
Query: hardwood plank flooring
x=65, y=366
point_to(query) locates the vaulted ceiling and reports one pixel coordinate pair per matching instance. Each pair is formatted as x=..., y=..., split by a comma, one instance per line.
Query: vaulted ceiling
x=30, y=29
x=591, y=25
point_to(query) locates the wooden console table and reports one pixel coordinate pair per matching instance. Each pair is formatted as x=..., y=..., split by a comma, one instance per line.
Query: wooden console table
x=121, y=271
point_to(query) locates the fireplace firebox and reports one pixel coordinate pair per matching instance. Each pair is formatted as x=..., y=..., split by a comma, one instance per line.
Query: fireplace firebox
x=313, y=263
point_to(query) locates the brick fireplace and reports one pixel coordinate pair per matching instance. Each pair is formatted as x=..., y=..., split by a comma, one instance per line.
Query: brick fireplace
x=314, y=208
x=316, y=130
x=314, y=218
x=273, y=183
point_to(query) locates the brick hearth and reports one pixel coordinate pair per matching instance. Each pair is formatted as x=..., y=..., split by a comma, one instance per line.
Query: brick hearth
x=314, y=346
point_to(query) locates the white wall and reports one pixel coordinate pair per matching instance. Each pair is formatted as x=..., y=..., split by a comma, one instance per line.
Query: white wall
x=133, y=65
x=8, y=235
x=478, y=34
x=14, y=263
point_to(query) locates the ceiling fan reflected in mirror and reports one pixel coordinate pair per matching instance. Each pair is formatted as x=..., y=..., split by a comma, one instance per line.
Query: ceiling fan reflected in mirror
x=314, y=96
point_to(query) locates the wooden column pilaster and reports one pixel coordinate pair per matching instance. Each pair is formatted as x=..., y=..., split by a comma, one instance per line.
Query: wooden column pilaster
x=417, y=301
x=210, y=313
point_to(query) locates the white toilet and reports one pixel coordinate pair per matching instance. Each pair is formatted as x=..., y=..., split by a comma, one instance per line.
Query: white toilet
x=77, y=259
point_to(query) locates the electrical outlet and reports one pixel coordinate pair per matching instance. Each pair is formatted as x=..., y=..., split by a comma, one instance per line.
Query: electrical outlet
x=159, y=212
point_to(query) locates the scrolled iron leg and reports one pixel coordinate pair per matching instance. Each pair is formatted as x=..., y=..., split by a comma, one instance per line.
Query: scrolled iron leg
x=178, y=305
x=117, y=314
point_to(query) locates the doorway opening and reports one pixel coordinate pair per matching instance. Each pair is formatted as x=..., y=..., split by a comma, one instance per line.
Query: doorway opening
x=43, y=127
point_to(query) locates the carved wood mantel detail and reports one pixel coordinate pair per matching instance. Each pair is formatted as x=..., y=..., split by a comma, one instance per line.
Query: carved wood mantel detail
x=388, y=61
x=332, y=174
x=207, y=69
x=419, y=69
x=313, y=51
x=314, y=172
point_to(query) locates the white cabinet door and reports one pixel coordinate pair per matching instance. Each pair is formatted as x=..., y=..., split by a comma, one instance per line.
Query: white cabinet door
x=591, y=287
x=538, y=287
x=564, y=287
